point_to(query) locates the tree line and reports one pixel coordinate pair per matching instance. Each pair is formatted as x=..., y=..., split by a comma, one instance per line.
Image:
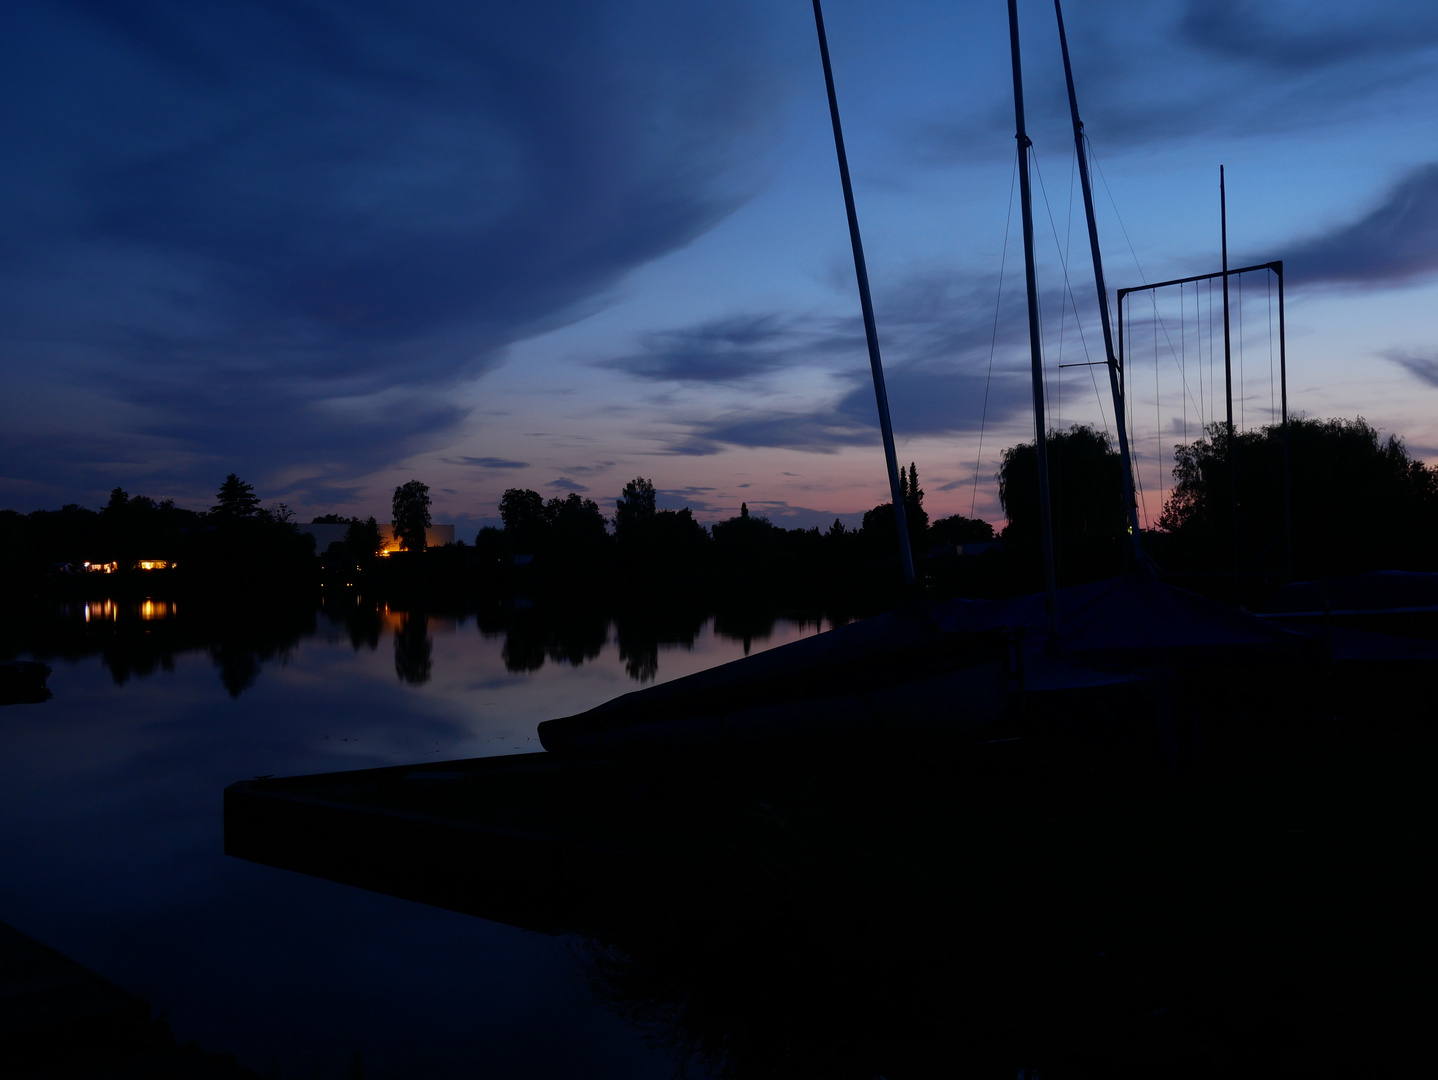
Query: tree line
x=1359, y=502
x=570, y=536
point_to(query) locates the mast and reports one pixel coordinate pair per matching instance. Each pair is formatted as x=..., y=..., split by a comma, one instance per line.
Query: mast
x=1035, y=342
x=1228, y=377
x=871, y=333
x=1283, y=386
x=1114, y=367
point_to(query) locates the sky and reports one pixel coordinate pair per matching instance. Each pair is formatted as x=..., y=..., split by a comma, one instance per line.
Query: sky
x=333, y=247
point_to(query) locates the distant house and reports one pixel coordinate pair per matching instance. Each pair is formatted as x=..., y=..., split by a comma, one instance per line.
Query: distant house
x=325, y=535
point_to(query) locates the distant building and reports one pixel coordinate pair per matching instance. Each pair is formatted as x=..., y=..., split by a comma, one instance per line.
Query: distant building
x=434, y=536
x=325, y=535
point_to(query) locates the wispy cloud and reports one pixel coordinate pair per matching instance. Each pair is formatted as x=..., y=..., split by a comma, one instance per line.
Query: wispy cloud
x=1395, y=241
x=1424, y=368
x=734, y=349
x=938, y=332
x=564, y=483
x=487, y=462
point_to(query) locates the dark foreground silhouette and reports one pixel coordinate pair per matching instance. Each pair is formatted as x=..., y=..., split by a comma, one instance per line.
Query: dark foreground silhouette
x=59, y=1020
x=1054, y=897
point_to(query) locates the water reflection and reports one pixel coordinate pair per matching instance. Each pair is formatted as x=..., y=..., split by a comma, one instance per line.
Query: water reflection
x=110, y=819
x=641, y=634
x=413, y=649
x=137, y=638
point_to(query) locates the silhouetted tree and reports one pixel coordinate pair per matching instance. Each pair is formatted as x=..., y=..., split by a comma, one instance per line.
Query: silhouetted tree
x=362, y=539
x=411, y=514
x=749, y=539
x=236, y=499
x=958, y=529
x=522, y=512
x=878, y=530
x=634, y=506
x=1359, y=502
x=575, y=524
x=1085, y=496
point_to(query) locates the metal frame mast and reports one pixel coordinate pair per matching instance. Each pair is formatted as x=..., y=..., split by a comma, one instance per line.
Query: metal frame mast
x=871, y=333
x=1114, y=368
x=1035, y=341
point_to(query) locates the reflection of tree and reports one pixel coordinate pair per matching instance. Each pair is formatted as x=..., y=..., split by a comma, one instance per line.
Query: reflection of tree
x=744, y=624
x=641, y=657
x=640, y=632
x=564, y=635
x=577, y=635
x=523, y=646
x=136, y=637
x=364, y=625
x=239, y=666
x=413, y=649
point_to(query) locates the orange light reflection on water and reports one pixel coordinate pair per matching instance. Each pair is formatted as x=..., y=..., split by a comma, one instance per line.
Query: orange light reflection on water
x=97, y=610
x=148, y=610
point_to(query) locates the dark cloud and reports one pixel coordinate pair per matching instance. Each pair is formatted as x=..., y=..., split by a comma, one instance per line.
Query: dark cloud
x=1155, y=73
x=284, y=232
x=722, y=350
x=487, y=462
x=923, y=400
x=1424, y=368
x=1306, y=35
x=937, y=331
x=564, y=483
x=697, y=499
x=1395, y=241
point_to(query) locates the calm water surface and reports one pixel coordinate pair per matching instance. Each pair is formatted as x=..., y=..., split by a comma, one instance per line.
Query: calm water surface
x=111, y=830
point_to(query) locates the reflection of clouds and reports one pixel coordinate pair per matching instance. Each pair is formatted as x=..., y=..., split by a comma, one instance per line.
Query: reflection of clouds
x=114, y=854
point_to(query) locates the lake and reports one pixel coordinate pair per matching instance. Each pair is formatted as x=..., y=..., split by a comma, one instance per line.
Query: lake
x=1063, y=898
x=111, y=830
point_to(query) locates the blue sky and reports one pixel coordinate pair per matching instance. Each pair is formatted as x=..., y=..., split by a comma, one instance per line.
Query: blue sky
x=333, y=247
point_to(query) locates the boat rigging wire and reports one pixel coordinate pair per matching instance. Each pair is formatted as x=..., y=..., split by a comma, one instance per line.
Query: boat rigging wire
x=1068, y=290
x=1268, y=294
x=1242, y=392
x=994, y=338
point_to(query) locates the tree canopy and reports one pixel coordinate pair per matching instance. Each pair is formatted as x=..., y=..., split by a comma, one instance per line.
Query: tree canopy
x=634, y=506
x=411, y=514
x=1359, y=501
x=532, y=525
x=1085, y=499
x=362, y=538
x=236, y=499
